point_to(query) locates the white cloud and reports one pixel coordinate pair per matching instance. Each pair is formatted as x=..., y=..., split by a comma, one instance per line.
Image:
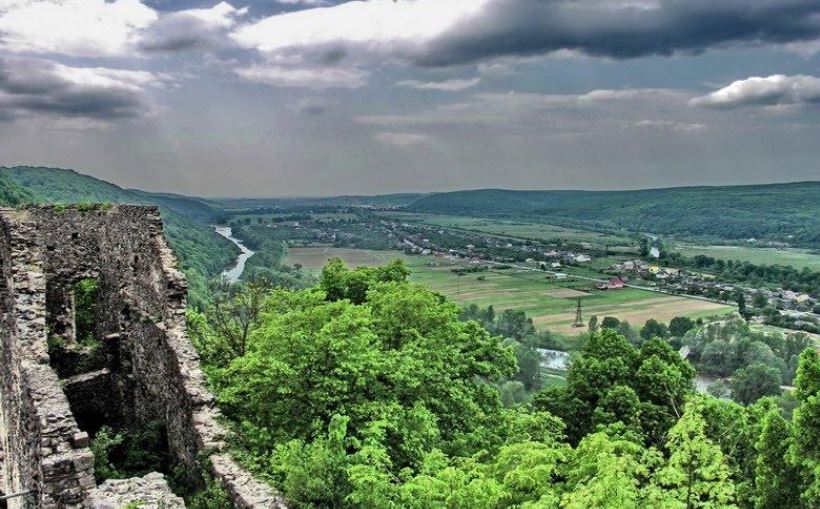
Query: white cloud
x=401, y=139
x=686, y=127
x=386, y=24
x=445, y=86
x=304, y=77
x=221, y=15
x=91, y=28
x=101, y=28
x=776, y=90
x=310, y=3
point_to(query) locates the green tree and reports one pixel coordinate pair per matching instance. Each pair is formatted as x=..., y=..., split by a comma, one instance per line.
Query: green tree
x=513, y=393
x=610, y=322
x=654, y=329
x=680, y=325
x=529, y=366
x=776, y=480
x=696, y=474
x=805, y=450
x=759, y=301
x=753, y=382
x=400, y=367
x=603, y=473
x=719, y=389
x=592, y=326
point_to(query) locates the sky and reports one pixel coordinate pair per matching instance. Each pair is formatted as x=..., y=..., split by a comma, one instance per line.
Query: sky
x=328, y=97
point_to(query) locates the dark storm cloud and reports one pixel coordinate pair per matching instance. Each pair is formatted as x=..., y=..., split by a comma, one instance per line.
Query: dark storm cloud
x=621, y=29
x=31, y=86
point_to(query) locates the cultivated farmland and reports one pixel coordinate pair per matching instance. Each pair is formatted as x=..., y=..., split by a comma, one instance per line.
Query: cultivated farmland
x=550, y=303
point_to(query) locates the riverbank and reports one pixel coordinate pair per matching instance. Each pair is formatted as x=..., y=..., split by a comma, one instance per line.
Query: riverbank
x=233, y=274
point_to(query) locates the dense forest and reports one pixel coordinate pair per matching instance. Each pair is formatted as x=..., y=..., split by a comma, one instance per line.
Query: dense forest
x=371, y=391
x=784, y=212
x=12, y=194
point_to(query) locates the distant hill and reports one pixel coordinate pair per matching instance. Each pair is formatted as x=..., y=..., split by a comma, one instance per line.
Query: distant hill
x=382, y=200
x=199, y=248
x=197, y=209
x=788, y=212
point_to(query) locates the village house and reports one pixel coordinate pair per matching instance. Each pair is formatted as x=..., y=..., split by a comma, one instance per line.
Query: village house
x=613, y=284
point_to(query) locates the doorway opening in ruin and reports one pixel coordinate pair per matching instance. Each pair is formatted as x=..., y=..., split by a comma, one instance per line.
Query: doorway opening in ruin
x=94, y=364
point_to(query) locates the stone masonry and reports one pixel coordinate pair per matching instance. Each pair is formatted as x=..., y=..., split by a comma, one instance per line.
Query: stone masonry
x=144, y=371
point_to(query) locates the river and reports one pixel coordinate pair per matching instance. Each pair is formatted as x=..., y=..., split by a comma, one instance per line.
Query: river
x=554, y=359
x=232, y=275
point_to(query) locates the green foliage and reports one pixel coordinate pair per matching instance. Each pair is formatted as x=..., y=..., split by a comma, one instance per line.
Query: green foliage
x=129, y=452
x=805, y=449
x=722, y=348
x=12, y=194
x=86, y=296
x=696, y=474
x=613, y=382
x=373, y=392
x=680, y=325
x=389, y=356
x=101, y=446
x=775, y=477
x=755, y=381
x=654, y=329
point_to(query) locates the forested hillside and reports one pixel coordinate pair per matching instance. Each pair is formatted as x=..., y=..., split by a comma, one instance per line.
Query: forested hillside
x=201, y=251
x=12, y=194
x=787, y=212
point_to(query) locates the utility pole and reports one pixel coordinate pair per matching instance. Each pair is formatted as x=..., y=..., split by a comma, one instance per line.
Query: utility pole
x=579, y=321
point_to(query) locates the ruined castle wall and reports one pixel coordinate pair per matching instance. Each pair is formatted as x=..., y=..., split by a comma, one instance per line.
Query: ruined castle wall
x=43, y=449
x=141, y=302
x=152, y=371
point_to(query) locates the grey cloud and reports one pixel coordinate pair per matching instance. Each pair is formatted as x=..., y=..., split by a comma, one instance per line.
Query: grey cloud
x=193, y=29
x=454, y=85
x=312, y=106
x=621, y=29
x=180, y=33
x=33, y=86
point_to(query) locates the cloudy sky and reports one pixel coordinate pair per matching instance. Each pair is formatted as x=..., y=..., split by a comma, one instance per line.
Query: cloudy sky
x=320, y=97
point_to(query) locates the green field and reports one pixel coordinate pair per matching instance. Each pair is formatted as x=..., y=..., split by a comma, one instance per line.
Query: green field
x=798, y=258
x=550, y=303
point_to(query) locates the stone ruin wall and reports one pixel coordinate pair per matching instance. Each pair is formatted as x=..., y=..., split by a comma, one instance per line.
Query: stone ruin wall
x=147, y=368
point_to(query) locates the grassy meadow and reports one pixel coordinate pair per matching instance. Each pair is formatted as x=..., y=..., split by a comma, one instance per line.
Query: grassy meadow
x=798, y=258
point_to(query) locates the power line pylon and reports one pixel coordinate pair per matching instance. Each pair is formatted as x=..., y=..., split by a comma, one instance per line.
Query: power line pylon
x=579, y=321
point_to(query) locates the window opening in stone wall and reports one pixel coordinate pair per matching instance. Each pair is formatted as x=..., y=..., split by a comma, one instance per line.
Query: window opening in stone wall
x=86, y=299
